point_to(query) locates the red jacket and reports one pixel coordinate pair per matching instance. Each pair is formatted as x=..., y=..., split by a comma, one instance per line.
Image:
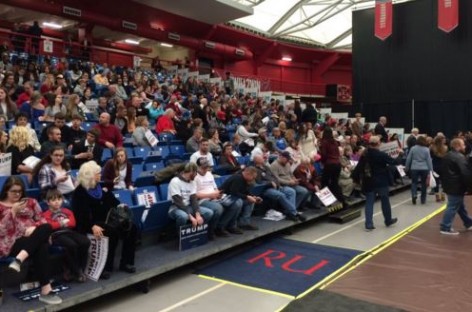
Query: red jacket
x=164, y=124
x=55, y=219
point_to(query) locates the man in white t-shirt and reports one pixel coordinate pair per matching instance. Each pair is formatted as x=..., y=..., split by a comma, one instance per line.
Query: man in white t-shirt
x=209, y=196
x=182, y=192
x=204, y=151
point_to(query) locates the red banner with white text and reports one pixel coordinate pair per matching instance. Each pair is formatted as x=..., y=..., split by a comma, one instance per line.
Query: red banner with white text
x=383, y=18
x=448, y=15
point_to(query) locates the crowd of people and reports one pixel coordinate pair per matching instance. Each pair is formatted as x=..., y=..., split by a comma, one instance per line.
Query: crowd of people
x=294, y=152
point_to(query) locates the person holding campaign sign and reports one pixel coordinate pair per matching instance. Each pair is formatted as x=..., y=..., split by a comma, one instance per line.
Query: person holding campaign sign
x=24, y=234
x=372, y=173
x=142, y=135
x=183, y=194
x=420, y=164
x=91, y=205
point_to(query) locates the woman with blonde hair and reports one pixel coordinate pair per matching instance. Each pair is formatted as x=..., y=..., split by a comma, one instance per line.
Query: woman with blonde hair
x=74, y=107
x=20, y=149
x=139, y=134
x=91, y=204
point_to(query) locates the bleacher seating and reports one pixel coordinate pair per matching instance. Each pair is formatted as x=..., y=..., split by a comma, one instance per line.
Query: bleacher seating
x=163, y=187
x=124, y=196
x=157, y=217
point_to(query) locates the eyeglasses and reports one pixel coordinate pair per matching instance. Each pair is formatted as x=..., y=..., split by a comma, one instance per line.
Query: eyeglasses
x=15, y=191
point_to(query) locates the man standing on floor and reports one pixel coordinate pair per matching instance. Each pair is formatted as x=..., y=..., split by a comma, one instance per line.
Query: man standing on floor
x=456, y=177
x=375, y=163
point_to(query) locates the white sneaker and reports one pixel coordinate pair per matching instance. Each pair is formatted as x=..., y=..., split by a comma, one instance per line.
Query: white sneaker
x=449, y=232
x=50, y=298
x=469, y=228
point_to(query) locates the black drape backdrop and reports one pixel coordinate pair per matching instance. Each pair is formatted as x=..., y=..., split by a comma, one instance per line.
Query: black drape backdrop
x=418, y=62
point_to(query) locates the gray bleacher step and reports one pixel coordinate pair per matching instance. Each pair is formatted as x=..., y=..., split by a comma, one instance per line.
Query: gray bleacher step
x=154, y=260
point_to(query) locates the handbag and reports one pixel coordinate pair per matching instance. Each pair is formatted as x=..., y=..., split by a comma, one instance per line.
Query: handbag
x=120, y=217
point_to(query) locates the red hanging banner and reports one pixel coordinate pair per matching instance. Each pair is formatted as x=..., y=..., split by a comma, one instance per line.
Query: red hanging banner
x=383, y=18
x=448, y=15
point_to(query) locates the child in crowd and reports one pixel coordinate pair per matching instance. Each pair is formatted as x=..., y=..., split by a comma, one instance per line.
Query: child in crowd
x=76, y=245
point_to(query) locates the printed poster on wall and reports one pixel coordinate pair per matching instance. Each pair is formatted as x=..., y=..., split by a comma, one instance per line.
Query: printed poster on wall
x=48, y=46
x=5, y=164
x=97, y=257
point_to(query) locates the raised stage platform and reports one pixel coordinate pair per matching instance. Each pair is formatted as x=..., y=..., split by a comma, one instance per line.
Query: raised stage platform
x=156, y=258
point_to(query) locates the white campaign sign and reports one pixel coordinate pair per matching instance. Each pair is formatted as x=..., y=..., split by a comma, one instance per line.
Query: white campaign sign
x=97, y=257
x=391, y=148
x=5, y=164
x=326, y=197
x=151, y=138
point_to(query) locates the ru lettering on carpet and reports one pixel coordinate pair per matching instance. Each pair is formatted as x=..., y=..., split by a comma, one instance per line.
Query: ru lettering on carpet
x=280, y=265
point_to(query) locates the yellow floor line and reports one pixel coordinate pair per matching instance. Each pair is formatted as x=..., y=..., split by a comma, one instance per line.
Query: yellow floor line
x=348, y=267
x=270, y=292
x=362, y=258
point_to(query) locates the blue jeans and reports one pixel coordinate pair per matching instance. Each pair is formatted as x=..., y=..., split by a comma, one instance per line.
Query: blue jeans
x=423, y=175
x=369, y=205
x=243, y=208
x=286, y=196
x=302, y=195
x=217, y=209
x=181, y=217
x=455, y=204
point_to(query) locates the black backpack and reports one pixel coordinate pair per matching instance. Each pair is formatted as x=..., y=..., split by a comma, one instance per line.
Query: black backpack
x=120, y=217
x=362, y=174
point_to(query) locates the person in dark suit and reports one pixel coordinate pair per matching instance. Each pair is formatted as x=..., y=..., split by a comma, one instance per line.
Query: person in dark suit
x=380, y=129
x=86, y=149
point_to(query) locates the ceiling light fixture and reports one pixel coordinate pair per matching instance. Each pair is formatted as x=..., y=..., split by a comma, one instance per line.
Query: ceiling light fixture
x=132, y=41
x=287, y=58
x=52, y=25
x=167, y=45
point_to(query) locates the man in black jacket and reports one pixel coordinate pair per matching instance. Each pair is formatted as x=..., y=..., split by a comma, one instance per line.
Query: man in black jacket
x=456, y=177
x=87, y=149
x=236, y=188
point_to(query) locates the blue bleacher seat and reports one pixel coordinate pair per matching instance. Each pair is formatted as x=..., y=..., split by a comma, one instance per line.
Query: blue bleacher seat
x=154, y=166
x=135, y=160
x=87, y=125
x=137, y=169
x=142, y=151
x=129, y=151
x=124, y=196
x=74, y=173
x=157, y=218
x=23, y=177
x=33, y=193
x=163, y=151
x=107, y=154
x=137, y=215
x=128, y=142
x=163, y=190
x=218, y=170
x=166, y=137
x=178, y=149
